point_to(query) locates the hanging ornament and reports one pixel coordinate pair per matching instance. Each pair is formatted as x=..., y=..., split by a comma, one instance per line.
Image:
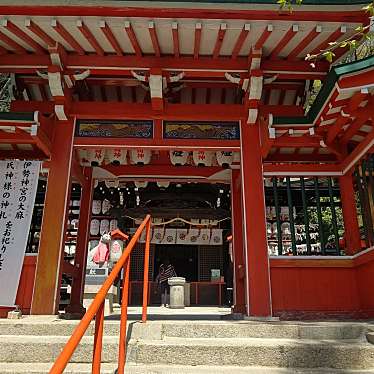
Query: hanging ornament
x=178, y=158
x=114, y=183
x=141, y=184
x=95, y=156
x=140, y=156
x=203, y=158
x=82, y=157
x=224, y=158
x=163, y=184
x=116, y=156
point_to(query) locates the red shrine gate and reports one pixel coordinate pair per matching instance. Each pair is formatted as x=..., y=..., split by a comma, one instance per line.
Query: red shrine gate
x=188, y=70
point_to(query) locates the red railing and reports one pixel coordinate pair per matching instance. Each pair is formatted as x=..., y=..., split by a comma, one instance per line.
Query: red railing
x=96, y=309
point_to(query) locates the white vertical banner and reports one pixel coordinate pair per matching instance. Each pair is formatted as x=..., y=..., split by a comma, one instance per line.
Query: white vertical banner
x=18, y=185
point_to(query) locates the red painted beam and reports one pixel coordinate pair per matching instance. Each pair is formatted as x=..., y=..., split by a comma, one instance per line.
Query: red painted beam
x=363, y=79
x=301, y=169
x=220, y=36
x=133, y=39
x=304, y=43
x=121, y=65
x=23, y=155
x=359, y=152
x=104, y=27
x=90, y=37
x=68, y=37
x=37, y=30
x=197, y=40
x=350, y=109
x=15, y=30
x=154, y=38
x=345, y=16
x=164, y=171
x=3, y=51
x=175, y=39
x=162, y=144
x=290, y=34
x=353, y=128
x=301, y=158
x=109, y=110
x=266, y=142
x=46, y=107
x=306, y=141
x=264, y=36
x=282, y=110
x=240, y=41
x=42, y=92
x=12, y=44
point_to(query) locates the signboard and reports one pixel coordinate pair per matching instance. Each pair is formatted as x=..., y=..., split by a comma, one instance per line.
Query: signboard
x=226, y=130
x=17, y=197
x=115, y=129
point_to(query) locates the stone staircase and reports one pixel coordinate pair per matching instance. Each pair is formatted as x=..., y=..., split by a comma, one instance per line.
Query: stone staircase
x=30, y=346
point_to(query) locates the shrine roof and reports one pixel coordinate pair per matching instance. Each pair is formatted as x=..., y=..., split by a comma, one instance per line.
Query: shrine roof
x=329, y=85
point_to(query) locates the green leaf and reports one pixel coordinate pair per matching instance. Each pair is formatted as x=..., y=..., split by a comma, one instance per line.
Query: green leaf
x=328, y=55
x=369, y=9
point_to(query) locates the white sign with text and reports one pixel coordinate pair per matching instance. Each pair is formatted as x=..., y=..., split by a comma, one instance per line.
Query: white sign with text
x=18, y=185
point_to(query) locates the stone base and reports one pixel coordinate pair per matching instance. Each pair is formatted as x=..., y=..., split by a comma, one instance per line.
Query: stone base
x=261, y=319
x=90, y=292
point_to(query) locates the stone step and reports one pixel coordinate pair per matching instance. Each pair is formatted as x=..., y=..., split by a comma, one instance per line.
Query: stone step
x=56, y=327
x=43, y=368
x=19, y=349
x=291, y=353
x=276, y=330
x=192, y=329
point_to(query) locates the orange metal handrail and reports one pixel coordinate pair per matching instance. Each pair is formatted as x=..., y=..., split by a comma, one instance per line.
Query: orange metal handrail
x=97, y=309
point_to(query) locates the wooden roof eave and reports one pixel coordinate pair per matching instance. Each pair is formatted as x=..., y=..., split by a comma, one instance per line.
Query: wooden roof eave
x=323, y=96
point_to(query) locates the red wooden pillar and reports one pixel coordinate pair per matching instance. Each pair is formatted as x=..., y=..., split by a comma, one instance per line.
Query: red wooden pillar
x=237, y=243
x=48, y=269
x=351, y=228
x=76, y=299
x=255, y=241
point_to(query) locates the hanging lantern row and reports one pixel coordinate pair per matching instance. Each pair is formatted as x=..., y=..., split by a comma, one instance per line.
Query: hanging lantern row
x=141, y=156
x=204, y=158
x=114, y=156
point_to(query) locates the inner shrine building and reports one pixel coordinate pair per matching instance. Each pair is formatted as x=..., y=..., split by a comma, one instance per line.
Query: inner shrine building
x=254, y=163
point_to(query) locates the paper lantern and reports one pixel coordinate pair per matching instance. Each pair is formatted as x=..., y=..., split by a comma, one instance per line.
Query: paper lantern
x=224, y=158
x=82, y=157
x=141, y=184
x=114, y=183
x=116, y=156
x=178, y=158
x=163, y=184
x=203, y=158
x=95, y=156
x=140, y=156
